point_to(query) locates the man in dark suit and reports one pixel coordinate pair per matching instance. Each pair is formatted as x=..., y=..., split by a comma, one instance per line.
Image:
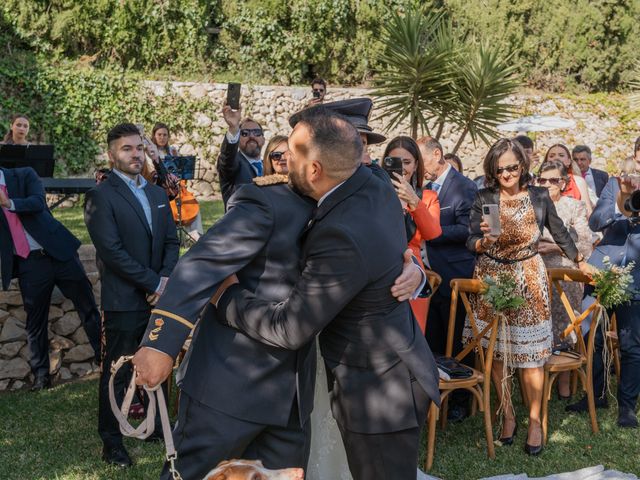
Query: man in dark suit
x=239, y=160
x=132, y=228
x=596, y=179
x=382, y=372
x=41, y=252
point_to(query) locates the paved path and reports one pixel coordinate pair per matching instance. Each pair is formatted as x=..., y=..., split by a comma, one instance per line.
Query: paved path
x=590, y=473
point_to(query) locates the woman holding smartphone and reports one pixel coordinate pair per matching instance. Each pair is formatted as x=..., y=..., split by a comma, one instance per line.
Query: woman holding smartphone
x=422, y=209
x=523, y=213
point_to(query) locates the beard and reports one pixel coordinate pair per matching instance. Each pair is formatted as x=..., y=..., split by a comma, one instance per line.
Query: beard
x=299, y=185
x=252, y=149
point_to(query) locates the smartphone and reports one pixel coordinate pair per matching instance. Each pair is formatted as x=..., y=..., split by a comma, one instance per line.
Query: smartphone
x=140, y=128
x=316, y=94
x=233, y=95
x=491, y=215
x=392, y=165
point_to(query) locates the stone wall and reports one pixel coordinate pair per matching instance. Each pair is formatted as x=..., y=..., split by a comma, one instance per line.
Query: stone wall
x=70, y=353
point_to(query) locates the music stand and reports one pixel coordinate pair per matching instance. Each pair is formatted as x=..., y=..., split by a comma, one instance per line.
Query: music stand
x=38, y=157
x=183, y=167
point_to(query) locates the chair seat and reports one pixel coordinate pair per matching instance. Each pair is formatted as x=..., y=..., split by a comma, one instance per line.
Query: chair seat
x=561, y=363
x=475, y=378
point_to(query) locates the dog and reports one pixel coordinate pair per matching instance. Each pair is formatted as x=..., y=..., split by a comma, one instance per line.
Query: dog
x=251, y=470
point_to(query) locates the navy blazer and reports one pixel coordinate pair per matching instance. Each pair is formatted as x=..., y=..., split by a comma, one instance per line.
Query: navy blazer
x=27, y=192
x=448, y=255
x=600, y=179
x=233, y=169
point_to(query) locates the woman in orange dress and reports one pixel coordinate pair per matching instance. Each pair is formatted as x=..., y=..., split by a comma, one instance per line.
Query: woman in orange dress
x=422, y=209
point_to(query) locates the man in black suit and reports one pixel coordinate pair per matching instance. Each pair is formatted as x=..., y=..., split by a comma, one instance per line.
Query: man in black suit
x=132, y=228
x=596, y=179
x=239, y=160
x=41, y=252
x=382, y=372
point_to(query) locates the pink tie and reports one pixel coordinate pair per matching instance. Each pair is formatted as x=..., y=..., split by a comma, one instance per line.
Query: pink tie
x=20, y=242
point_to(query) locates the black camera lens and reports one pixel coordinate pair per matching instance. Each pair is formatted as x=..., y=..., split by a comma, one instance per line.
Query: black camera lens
x=633, y=202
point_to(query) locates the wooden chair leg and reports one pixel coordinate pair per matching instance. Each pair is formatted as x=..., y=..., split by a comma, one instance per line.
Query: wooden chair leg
x=546, y=392
x=488, y=425
x=616, y=360
x=574, y=383
x=444, y=411
x=588, y=386
x=432, y=417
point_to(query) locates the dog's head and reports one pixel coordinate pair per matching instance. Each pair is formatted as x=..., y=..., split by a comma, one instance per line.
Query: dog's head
x=251, y=470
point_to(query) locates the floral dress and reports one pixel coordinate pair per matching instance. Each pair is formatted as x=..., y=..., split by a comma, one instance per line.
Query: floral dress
x=526, y=339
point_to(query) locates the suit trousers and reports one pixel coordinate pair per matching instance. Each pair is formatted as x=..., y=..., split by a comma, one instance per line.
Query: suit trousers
x=37, y=275
x=628, y=318
x=123, y=332
x=385, y=456
x=204, y=437
x=438, y=324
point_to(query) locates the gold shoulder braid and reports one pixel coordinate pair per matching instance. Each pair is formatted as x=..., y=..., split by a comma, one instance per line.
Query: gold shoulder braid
x=274, y=179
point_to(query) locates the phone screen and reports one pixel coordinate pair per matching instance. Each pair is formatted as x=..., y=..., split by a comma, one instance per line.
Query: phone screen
x=233, y=95
x=392, y=165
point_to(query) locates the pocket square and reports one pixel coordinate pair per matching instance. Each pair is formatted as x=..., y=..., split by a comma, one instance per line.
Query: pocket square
x=444, y=208
x=163, y=205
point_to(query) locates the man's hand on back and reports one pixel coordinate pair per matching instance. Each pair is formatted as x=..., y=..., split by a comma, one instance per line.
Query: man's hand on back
x=409, y=280
x=152, y=366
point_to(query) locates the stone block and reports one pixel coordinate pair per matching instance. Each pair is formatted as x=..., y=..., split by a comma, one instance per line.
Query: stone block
x=80, y=336
x=57, y=297
x=14, y=368
x=17, y=385
x=19, y=313
x=12, y=331
x=13, y=298
x=65, y=374
x=25, y=353
x=11, y=349
x=80, y=369
x=3, y=316
x=55, y=312
x=79, y=353
x=67, y=324
x=67, y=305
x=61, y=343
x=4, y=384
x=55, y=361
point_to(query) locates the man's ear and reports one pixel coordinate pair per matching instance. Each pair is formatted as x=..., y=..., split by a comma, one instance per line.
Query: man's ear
x=315, y=171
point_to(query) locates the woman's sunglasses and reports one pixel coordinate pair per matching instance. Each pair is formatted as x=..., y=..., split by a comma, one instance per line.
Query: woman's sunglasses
x=511, y=169
x=277, y=156
x=552, y=181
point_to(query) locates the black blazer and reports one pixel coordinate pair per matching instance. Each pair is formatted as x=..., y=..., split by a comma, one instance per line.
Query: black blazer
x=25, y=188
x=600, y=179
x=233, y=169
x=131, y=258
x=545, y=212
x=258, y=240
x=371, y=343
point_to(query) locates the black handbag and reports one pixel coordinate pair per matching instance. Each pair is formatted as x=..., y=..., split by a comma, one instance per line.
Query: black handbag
x=453, y=367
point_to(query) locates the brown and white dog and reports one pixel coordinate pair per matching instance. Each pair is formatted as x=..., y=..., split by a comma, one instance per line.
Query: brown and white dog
x=251, y=470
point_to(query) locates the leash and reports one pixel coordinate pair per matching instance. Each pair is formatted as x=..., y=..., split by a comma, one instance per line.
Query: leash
x=146, y=428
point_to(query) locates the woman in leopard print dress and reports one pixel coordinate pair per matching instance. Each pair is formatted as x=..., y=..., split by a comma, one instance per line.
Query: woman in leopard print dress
x=524, y=211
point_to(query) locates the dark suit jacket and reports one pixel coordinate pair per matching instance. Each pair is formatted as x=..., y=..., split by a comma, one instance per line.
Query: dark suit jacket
x=448, y=255
x=546, y=216
x=258, y=240
x=233, y=169
x=369, y=341
x=600, y=179
x=130, y=257
x=27, y=192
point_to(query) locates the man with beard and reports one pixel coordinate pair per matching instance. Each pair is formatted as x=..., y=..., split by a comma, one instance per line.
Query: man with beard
x=239, y=161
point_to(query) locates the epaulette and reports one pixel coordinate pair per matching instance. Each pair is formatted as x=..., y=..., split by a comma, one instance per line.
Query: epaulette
x=274, y=179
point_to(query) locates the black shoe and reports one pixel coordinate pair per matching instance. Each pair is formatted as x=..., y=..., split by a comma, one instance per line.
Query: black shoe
x=506, y=441
x=583, y=406
x=627, y=418
x=42, y=382
x=533, y=450
x=116, y=455
x=457, y=413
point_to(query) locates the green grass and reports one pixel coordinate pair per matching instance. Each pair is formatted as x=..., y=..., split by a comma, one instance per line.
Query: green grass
x=53, y=435
x=73, y=219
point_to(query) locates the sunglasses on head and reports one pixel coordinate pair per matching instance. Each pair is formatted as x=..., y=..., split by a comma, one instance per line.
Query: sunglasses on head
x=277, y=156
x=253, y=132
x=552, y=181
x=511, y=169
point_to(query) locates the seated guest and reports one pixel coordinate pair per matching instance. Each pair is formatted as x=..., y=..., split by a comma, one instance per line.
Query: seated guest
x=596, y=179
x=38, y=250
x=422, y=209
x=577, y=187
x=274, y=160
x=454, y=160
x=553, y=175
x=160, y=137
x=18, y=131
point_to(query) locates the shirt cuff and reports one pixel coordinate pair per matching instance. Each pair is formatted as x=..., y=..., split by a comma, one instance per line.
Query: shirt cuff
x=158, y=287
x=12, y=207
x=233, y=138
x=416, y=293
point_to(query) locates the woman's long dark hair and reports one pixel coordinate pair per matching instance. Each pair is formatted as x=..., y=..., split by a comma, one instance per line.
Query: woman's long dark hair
x=490, y=164
x=159, y=126
x=8, y=138
x=410, y=145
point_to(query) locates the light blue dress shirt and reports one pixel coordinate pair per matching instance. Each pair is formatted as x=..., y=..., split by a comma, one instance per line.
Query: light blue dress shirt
x=137, y=188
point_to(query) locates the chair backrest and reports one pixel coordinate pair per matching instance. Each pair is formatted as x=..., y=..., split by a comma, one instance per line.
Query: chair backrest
x=557, y=275
x=434, y=280
x=462, y=287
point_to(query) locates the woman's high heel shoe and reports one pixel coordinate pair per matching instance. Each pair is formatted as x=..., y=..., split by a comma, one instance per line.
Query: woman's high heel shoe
x=534, y=450
x=506, y=441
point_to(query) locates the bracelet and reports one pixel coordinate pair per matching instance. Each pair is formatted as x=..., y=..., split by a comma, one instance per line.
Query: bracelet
x=579, y=259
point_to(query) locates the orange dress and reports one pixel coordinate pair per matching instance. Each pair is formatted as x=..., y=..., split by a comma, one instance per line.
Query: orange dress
x=572, y=190
x=426, y=216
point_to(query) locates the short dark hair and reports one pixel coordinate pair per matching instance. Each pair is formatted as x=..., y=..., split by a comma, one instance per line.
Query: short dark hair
x=430, y=144
x=319, y=81
x=335, y=138
x=636, y=146
x=121, y=130
x=524, y=141
x=490, y=163
x=455, y=159
x=410, y=145
x=554, y=165
x=249, y=119
x=581, y=149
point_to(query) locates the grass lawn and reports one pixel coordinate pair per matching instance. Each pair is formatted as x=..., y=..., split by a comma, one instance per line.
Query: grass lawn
x=52, y=435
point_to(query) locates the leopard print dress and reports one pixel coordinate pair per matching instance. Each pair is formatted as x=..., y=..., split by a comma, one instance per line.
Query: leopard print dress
x=526, y=340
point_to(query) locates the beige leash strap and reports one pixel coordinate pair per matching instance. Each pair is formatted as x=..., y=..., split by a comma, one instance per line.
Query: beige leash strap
x=146, y=428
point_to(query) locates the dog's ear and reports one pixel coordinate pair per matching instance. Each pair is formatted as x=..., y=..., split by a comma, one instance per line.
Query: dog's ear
x=217, y=476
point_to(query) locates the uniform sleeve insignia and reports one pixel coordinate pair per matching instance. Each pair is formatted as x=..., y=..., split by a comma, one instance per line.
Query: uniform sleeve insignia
x=153, y=334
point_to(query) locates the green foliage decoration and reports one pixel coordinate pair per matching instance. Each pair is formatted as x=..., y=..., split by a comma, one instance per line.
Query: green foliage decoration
x=613, y=285
x=501, y=293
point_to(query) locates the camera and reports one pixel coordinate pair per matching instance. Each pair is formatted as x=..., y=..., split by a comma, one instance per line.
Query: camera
x=316, y=94
x=633, y=202
x=392, y=165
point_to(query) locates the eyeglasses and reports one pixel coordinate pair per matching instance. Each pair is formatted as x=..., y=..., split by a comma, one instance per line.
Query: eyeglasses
x=318, y=90
x=552, y=181
x=511, y=169
x=277, y=156
x=253, y=132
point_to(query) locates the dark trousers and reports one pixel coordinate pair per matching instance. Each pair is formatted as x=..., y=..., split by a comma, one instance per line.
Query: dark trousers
x=438, y=325
x=386, y=456
x=37, y=275
x=204, y=437
x=628, y=318
x=123, y=332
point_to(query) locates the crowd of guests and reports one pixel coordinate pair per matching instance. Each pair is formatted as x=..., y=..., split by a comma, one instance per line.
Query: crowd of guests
x=553, y=213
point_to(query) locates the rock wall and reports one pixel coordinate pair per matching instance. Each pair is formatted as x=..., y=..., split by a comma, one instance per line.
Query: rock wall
x=70, y=353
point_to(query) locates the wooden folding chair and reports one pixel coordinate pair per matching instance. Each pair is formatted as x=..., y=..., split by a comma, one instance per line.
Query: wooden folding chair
x=479, y=383
x=614, y=345
x=578, y=360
